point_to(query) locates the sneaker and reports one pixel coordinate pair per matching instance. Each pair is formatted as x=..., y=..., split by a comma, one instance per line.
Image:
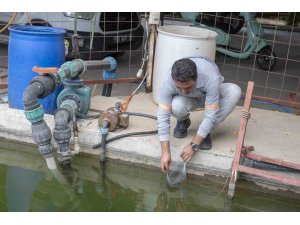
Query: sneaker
x=180, y=131
x=206, y=143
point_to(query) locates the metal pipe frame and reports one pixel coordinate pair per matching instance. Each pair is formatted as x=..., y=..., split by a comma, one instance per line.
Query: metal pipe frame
x=236, y=167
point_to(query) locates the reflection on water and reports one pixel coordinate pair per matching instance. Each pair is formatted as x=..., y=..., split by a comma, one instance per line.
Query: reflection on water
x=27, y=185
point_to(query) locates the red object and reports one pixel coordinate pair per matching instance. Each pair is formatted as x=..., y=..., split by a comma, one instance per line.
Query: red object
x=241, y=150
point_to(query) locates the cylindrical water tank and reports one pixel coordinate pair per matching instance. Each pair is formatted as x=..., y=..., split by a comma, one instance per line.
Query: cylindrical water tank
x=31, y=46
x=176, y=42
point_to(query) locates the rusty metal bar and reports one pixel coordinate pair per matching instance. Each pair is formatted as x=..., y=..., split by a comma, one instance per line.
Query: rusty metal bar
x=268, y=175
x=273, y=161
x=114, y=81
x=288, y=103
x=240, y=141
x=3, y=86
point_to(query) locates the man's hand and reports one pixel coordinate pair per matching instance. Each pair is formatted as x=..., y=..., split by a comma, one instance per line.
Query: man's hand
x=187, y=153
x=165, y=161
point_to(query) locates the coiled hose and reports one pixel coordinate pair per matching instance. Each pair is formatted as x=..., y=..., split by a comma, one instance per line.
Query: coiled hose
x=132, y=133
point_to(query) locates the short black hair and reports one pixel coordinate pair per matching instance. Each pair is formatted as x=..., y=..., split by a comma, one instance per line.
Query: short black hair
x=184, y=70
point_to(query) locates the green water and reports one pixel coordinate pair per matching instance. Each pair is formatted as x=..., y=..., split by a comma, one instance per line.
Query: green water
x=27, y=185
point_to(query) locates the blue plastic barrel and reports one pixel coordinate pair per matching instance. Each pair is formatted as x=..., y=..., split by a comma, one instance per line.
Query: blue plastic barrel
x=31, y=46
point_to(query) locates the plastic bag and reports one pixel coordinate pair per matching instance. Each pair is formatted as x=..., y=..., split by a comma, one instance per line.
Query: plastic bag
x=176, y=174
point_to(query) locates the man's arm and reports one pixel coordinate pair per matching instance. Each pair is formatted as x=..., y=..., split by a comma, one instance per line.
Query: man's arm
x=209, y=121
x=163, y=124
x=165, y=159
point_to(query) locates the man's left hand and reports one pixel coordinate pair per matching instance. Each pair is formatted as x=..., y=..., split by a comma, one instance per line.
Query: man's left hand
x=187, y=153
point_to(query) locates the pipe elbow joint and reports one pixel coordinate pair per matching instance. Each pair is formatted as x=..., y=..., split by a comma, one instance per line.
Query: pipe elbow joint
x=47, y=82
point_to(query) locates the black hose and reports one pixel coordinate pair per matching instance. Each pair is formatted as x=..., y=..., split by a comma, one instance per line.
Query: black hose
x=133, y=133
x=140, y=114
x=265, y=166
x=126, y=135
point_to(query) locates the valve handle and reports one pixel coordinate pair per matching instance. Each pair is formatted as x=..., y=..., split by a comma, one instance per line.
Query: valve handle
x=44, y=70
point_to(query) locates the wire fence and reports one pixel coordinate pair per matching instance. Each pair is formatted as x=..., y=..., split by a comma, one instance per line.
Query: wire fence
x=280, y=32
x=274, y=66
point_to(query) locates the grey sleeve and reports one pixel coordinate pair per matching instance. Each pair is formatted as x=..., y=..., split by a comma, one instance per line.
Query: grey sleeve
x=209, y=121
x=164, y=112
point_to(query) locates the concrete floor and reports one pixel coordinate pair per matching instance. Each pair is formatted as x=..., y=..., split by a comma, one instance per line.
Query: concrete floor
x=273, y=134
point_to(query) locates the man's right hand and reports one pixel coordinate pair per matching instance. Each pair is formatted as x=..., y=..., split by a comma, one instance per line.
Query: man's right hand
x=165, y=159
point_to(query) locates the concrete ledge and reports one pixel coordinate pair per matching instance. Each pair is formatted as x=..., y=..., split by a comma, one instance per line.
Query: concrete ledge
x=273, y=134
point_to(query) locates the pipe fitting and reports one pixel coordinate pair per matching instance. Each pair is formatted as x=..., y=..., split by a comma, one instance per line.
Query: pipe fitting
x=40, y=87
x=72, y=69
x=48, y=84
x=30, y=95
x=112, y=61
x=41, y=135
x=62, y=135
x=35, y=115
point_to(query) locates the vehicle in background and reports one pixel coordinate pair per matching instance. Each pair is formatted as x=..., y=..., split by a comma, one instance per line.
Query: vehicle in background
x=91, y=35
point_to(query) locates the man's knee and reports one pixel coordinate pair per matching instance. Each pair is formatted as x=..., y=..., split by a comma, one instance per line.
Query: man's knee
x=178, y=107
x=236, y=92
x=232, y=92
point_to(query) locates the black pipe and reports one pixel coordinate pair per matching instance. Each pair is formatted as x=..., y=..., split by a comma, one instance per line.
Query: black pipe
x=41, y=135
x=131, y=134
x=103, y=142
x=140, y=114
x=97, y=64
x=39, y=87
x=102, y=157
x=62, y=134
x=264, y=165
x=88, y=116
x=106, y=91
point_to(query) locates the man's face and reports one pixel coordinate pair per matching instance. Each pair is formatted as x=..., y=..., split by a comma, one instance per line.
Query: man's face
x=185, y=87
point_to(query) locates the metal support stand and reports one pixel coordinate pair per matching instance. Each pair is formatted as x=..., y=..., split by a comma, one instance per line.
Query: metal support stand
x=242, y=151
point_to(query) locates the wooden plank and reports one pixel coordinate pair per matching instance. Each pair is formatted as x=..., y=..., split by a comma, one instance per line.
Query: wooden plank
x=268, y=175
x=240, y=141
x=273, y=161
x=150, y=63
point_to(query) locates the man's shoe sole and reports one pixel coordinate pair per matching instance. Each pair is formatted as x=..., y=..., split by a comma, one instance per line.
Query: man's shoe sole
x=205, y=148
x=175, y=135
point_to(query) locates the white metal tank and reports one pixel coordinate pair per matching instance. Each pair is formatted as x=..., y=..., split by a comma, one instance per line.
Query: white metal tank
x=176, y=42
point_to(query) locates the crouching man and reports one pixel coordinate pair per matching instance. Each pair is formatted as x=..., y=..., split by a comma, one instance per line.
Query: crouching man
x=192, y=83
